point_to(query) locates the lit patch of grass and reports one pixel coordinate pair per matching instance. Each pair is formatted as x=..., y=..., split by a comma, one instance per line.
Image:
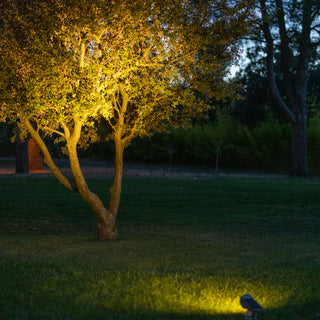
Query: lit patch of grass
x=187, y=250
x=140, y=293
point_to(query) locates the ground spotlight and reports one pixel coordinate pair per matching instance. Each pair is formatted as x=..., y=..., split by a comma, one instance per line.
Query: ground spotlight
x=252, y=306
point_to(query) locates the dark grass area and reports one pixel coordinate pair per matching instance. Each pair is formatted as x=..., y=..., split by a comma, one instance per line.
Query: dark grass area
x=187, y=249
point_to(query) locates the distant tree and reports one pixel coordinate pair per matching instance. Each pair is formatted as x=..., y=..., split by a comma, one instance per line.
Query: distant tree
x=254, y=105
x=66, y=67
x=293, y=27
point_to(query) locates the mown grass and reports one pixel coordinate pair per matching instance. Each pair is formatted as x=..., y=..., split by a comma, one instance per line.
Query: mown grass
x=187, y=249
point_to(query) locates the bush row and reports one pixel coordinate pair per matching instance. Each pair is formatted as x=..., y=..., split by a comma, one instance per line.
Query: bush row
x=227, y=144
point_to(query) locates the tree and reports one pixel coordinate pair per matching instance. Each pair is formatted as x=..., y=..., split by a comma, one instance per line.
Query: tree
x=293, y=26
x=255, y=102
x=67, y=67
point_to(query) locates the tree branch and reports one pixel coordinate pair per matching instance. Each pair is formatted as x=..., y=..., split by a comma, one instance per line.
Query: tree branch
x=82, y=54
x=66, y=130
x=315, y=44
x=315, y=27
x=115, y=102
x=111, y=124
x=130, y=135
x=47, y=156
x=53, y=130
x=124, y=96
x=316, y=11
x=285, y=52
x=304, y=53
x=76, y=132
x=271, y=74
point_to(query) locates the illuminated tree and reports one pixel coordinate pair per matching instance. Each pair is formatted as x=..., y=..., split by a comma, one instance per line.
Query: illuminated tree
x=67, y=66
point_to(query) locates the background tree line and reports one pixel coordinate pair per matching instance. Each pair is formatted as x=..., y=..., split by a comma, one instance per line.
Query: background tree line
x=279, y=88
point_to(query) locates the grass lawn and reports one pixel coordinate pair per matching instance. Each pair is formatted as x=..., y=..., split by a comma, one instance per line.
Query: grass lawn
x=187, y=249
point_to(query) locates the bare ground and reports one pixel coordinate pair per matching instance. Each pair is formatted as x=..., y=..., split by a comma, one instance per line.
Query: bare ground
x=105, y=169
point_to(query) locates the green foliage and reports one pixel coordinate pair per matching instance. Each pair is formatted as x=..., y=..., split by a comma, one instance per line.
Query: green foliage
x=135, y=64
x=188, y=250
x=265, y=147
x=6, y=147
x=314, y=145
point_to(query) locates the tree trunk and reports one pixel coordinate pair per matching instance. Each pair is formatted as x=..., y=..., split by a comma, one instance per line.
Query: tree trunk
x=105, y=219
x=115, y=190
x=47, y=156
x=299, y=156
x=107, y=229
x=294, y=107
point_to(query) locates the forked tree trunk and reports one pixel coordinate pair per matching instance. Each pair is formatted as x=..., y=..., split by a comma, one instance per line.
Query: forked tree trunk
x=107, y=229
x=299, y=156
x=105, y=219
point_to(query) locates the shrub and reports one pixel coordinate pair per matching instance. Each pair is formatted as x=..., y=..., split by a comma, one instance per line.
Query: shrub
x=264, y=147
